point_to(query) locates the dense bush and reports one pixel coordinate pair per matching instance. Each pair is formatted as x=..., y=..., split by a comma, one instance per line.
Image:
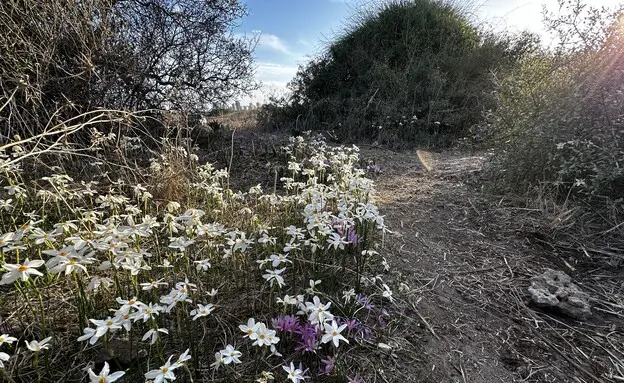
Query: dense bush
x=559, y=120
x=421, y=60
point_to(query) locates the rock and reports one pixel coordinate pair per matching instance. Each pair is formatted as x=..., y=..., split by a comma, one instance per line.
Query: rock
x=554, y=290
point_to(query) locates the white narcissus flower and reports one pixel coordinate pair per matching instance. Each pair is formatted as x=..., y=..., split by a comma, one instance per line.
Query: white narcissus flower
x=202, y=311
x=104, y=326
x=230, y=355
x=265, y=336
x=288, y=300
x=204, y=265
x=164, y=373
x=273, y=276
x=89, y=334
x=5, y=338
x=154, y=334
x=251, y=329
x=36, y=346
x=21, y=272
x=4, y=357
x=104, y=376
x=218, y=361
x=295, y=375
x=332, y=333
x=183, y=357
x=317, y=311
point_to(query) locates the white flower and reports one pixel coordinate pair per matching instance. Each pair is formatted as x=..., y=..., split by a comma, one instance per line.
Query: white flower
x=218, y=361
x=337, y=242
x=332, y=333
x=147, y=311
x=104, y=326
x=4, y=357
x=317, y=311
x=21, y=272
x=265, y=336
x=152, y=285
x=103, y=376
x=89, y=333
x=230, y=355
x=204, y=264
x=273, y=276
x=180, y=243
x=96, y=282
x=251, y=329
x=347, y=295
x=5, y=338
x=202, y=311
x=164, y=373
x=154, y=334
x=288, y=300
x=183, y=357
x=278, y=259
x=36, y=346
x=295, y=375
x=387, y=293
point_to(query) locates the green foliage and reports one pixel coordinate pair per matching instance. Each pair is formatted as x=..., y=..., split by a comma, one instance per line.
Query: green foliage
x=559, y=119
x=418, y=58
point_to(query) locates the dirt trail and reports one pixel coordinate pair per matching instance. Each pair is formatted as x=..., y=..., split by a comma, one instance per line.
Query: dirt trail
x=468, y=268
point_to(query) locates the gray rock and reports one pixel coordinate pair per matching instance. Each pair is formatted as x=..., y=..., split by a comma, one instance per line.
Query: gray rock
x=554, y=290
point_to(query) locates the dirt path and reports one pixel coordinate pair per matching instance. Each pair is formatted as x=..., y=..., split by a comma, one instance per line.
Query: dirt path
x=468, y=263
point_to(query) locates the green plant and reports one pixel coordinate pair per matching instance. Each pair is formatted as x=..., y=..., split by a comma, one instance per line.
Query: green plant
x=420, y=58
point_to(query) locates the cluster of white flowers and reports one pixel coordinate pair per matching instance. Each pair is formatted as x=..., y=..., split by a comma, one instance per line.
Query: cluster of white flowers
x=109, y=238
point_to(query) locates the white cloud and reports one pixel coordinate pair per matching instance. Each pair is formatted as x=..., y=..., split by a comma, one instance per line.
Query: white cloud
x=273, y=42
x=270, y=71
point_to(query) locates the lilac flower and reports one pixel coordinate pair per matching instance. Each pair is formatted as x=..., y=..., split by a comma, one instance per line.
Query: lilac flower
x=309, y=337
x=364, y=301
x=328, y=364
x=286, y=323
x=352, y=237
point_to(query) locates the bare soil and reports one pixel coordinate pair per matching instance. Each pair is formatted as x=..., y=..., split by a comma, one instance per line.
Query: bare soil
x=468, y=258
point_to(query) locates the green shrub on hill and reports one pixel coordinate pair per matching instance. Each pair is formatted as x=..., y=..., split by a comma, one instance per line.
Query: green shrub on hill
x=422, y=59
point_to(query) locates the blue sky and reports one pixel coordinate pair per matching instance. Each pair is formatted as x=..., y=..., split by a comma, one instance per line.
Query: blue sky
x=292, y=30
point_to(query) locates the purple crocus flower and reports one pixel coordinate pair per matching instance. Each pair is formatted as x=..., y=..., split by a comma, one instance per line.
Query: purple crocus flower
x=352, y=237
x=364, y=301
x=286, y=323
x=328, y=364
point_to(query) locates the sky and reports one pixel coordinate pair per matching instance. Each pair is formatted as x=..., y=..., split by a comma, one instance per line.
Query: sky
x=291, y=31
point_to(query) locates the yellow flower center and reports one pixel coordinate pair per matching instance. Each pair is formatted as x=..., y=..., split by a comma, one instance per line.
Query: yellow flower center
x=335, y=333
x=22, y=268
x=102, y=380
x=164, y=370
x=109, y=323
x=261, y=336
